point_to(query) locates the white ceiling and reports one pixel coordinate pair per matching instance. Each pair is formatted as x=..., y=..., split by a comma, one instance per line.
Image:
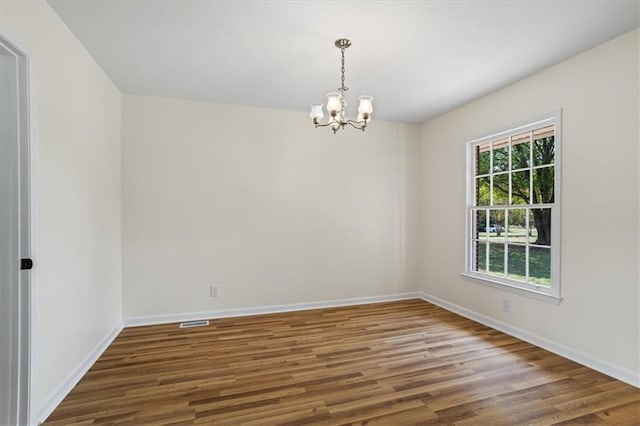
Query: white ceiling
x=418, y=59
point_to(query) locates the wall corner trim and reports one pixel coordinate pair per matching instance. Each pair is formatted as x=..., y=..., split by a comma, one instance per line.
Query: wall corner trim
x=259, y=310
x=56, y=397
x=602, y=366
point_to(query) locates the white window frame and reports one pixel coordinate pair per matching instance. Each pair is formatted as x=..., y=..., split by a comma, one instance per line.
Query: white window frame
x=547, y=293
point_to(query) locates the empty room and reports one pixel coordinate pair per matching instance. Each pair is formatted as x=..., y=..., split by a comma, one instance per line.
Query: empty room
x=319, y=212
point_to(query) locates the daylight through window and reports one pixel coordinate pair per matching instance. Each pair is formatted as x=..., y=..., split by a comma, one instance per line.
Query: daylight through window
x=513, y=212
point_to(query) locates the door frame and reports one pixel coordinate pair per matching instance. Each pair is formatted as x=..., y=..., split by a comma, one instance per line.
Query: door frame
x=20, y=293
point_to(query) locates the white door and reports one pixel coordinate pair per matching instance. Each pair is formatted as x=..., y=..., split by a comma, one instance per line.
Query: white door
x=14, y=237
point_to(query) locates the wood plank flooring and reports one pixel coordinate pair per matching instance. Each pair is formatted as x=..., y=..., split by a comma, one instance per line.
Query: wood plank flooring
x=396, y=363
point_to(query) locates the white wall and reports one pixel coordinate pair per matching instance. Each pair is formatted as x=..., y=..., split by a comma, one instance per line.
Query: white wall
x=598, y=94
x=75, y=195
x=261, y=203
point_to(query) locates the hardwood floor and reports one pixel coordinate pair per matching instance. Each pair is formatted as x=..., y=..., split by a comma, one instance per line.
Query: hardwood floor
x=394, y=363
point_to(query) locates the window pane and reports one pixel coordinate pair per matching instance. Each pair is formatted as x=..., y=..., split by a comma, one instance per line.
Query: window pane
x=501, y=189
x=483, y=158
x=540, y=265
x=517, y=229
x=481, y=256
x=482, y=191
x=497, y=227
x=496, y=258
x=517, y=262
x=501, y=155
x=520, y=187
x=521, y=151
x=543, y=147
x=513, y=184
x=543, y=185
x=480, y=224
x=540, y=227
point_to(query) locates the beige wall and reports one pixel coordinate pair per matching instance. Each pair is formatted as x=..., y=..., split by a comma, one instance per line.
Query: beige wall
x=598, y=94
x=75, y=143
x=261, y=203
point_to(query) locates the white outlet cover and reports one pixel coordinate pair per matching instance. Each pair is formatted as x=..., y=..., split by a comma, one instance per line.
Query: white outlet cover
x=214, y=291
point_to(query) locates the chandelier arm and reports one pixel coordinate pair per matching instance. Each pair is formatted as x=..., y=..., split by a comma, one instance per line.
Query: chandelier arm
x=356, y=124
x=328, y=124
x=352, y=123
x=323, y=125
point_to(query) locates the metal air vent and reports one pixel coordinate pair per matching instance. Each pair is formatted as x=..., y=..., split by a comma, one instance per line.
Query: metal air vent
x=191, y=324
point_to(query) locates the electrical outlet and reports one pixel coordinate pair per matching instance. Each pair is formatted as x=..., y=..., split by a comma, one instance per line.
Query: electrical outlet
x=214, y=291
x=506, y=305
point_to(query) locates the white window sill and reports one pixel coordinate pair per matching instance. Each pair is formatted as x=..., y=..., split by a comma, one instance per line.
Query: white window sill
x=538, y=295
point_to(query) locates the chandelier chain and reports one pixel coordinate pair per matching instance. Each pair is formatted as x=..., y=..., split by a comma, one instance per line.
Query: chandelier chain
x=342, y=88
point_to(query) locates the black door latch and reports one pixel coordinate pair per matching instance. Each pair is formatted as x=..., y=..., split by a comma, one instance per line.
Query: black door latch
x=26, y=263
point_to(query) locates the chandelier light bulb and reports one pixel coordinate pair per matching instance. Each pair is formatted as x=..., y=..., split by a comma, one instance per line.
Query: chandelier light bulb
x=366, y=105
x=316, y=111
x=333, y=102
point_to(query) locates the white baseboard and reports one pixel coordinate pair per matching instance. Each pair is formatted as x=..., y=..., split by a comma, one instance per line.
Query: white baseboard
x=605, y=367
x=227, y=313
x=63, y=390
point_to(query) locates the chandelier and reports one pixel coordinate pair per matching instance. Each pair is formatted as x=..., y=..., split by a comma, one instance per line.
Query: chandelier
x=337, y=104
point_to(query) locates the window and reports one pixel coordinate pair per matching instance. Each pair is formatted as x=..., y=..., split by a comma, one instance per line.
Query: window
x=513, y=208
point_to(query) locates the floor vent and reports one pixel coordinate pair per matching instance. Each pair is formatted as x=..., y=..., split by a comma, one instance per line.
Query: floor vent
x=190, y=324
